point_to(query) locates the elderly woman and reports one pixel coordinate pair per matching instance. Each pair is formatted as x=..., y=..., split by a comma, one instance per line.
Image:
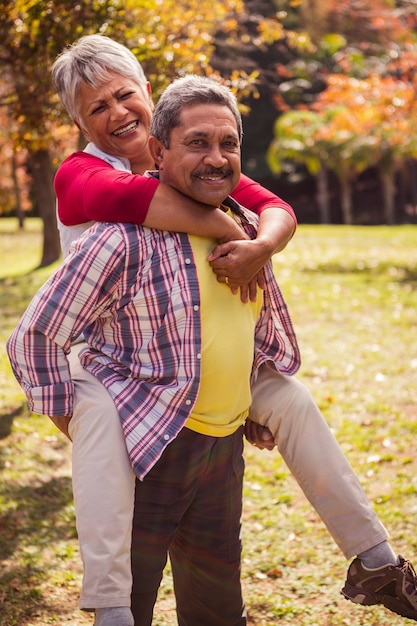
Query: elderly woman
x=104, y=90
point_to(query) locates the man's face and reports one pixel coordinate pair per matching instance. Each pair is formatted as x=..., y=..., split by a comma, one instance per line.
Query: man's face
x=203, y=158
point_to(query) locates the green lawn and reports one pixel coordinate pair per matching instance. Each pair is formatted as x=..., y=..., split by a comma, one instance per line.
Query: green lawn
x=352, y=292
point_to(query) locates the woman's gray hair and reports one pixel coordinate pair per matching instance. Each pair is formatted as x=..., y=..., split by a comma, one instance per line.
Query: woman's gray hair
x=91, y=59
x=188, y=91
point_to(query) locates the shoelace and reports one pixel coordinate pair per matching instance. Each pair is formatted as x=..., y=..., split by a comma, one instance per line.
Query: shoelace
x=408, y=570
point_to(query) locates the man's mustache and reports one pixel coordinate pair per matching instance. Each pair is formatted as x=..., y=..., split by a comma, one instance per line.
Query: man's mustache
x=222, y=172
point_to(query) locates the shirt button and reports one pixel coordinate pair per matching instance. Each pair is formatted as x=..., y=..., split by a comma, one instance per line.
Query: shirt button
x=188, y=402
x=199, y=355
x=166, y=437
x=188, y=261
x=196, y=307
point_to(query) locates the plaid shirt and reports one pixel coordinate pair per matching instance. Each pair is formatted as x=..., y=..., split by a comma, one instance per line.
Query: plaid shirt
x=134, y=293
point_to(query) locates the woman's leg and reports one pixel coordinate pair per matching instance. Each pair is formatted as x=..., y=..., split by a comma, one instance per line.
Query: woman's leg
x=103, y=486
x=314, y=457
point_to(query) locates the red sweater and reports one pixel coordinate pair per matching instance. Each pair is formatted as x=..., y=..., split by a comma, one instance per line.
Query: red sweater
x=88, y=188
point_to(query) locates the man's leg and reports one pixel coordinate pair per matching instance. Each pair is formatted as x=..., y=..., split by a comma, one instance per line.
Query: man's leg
x=162, y=502
x=154, y=525
x=103, y=486
x=206, y=552
x=314, y=457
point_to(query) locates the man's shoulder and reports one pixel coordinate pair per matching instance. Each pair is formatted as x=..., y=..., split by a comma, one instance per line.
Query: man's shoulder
x=111, y=242
x=236, y=208
x=110, y=234
x=124, y=238
x=122, y=229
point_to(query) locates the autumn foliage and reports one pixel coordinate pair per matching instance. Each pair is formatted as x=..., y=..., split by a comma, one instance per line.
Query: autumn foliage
x=365, y=116
x=349, y=63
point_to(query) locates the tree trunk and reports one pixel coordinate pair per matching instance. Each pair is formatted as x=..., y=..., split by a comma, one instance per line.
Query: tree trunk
x=411, y=164
x=346, y=192
x=323, y=196
x=388, y=186
x=40, y=165
x=19, y=212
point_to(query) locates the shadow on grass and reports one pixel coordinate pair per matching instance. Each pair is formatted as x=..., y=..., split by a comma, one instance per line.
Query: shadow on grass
x=23, y=603
x=399, y=274
x=16, y=291
x=32, y=524
x=6, y=422
x=33, y=518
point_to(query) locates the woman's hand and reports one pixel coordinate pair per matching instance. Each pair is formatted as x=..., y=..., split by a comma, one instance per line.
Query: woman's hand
x=259, y=436
x=62, y=423
x=240, y=265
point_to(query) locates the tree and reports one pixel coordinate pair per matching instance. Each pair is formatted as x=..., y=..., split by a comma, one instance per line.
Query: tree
x=380, y=113
x=329, y=139
x=32, y=33
x=295, y=140
x=268, y=41
x=366, y=56
x=169, y=39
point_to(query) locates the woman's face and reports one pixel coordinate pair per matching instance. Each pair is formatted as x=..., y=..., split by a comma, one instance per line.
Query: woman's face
x=116, y=116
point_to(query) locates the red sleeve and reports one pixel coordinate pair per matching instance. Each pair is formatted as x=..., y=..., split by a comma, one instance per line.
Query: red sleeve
x=253, y=196
x=88, y=188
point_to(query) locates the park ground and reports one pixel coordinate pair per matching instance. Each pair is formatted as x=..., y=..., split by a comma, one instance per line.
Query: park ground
x=352, y=292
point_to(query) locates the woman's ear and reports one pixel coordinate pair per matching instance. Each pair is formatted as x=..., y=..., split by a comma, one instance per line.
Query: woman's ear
x=149, y=90
x=156, y=149
x=84, y=132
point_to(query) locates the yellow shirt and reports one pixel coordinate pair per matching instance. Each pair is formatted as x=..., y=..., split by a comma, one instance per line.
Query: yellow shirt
x=228, y=337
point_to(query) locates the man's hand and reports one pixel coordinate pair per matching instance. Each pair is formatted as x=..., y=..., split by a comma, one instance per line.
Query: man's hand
x=240, y=264
x=259, y=436
x=62, y=424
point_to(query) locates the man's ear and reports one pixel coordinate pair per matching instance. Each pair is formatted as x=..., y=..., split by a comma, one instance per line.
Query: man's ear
x=156, y=149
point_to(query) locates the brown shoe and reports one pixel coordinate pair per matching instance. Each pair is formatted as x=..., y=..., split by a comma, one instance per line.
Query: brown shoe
x=394, y=586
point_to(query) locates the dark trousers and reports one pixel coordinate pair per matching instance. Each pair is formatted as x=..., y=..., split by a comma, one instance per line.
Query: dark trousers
x=190, y=506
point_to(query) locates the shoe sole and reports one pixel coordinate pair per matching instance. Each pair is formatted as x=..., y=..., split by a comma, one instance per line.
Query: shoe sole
x=396, y=606
x=360, y=596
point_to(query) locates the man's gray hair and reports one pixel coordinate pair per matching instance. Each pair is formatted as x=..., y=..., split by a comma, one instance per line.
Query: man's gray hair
x=90, y=60
x=189, y=91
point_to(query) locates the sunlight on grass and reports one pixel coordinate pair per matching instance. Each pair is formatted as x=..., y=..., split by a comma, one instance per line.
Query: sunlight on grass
x=20, y=248
x=352, y=293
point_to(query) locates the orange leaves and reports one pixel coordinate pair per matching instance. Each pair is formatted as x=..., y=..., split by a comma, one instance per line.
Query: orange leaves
x=382, y=108
x=376, y=90
x=366, y=21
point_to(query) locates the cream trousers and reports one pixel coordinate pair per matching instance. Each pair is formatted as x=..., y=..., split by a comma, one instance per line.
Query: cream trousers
x=103, y=481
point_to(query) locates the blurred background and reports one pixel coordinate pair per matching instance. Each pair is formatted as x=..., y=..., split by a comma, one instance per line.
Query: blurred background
x=327, y=89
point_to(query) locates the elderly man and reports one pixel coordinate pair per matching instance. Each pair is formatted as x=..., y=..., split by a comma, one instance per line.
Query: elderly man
x=363, y=585
x=103, y=88
x=176, y=350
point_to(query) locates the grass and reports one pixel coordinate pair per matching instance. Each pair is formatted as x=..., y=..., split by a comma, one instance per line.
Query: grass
x=353, y=297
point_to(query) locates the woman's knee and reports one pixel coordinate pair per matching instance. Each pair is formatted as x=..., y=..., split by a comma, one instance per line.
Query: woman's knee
x=277, y=398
